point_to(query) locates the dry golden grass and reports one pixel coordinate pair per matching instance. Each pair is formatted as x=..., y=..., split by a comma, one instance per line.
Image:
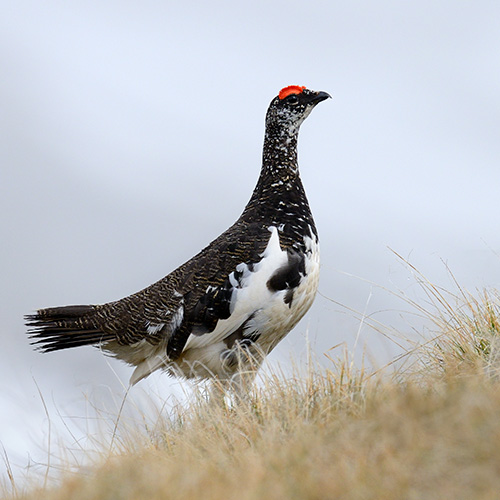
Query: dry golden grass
x=429, y=432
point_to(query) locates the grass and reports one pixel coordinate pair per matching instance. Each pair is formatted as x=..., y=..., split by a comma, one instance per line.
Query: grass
x=427, y=429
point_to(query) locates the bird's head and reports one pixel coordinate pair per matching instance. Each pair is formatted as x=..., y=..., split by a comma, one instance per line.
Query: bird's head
x=291, y=107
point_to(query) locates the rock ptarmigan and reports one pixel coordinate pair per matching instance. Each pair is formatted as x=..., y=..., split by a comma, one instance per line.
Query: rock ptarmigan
x=219, y=314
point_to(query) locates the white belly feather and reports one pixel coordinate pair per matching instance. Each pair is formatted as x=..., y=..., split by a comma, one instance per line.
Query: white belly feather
x=269, y=315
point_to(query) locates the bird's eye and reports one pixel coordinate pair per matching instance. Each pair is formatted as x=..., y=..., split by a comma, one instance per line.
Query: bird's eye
x=293, y=99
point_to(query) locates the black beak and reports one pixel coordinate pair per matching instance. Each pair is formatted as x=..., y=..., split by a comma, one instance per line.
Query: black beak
x=317, y=97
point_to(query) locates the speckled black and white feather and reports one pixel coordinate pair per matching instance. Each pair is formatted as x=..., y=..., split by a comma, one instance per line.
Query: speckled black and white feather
x=240, y=295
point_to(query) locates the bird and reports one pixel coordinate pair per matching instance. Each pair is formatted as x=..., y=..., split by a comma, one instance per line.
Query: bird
x=217, y=316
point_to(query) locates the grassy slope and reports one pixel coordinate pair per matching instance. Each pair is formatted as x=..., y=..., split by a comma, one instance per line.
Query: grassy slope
x=430, y=433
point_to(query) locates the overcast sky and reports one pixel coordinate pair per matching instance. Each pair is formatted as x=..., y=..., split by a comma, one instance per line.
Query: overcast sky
x=131, y=136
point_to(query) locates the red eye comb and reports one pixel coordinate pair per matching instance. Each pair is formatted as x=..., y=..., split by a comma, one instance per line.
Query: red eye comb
x=291, y=89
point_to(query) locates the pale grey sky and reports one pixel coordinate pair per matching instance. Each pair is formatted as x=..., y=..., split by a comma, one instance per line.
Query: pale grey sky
x=131, y=135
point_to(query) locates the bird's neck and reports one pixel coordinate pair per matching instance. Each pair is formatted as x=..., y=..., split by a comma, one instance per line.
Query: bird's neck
x=279, y=158
x=279, y=181
x=279, y=198
x=280, y=168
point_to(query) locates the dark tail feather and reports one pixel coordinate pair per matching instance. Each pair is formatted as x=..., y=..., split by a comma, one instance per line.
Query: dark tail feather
x=58, y=328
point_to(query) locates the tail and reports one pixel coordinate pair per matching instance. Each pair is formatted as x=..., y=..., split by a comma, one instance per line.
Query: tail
x=58, y=328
